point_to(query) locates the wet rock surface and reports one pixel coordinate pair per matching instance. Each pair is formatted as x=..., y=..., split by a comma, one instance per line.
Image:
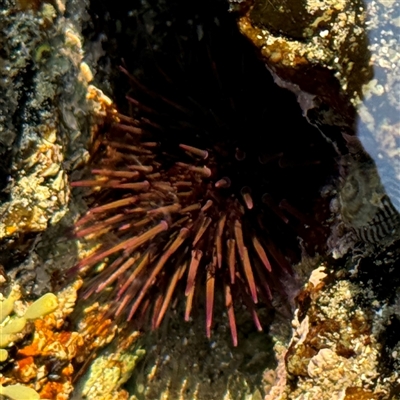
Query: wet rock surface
x=43, y=112
x=316, y=48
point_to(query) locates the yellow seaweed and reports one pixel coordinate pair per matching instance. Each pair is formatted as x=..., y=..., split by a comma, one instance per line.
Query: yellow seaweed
x=41, y=307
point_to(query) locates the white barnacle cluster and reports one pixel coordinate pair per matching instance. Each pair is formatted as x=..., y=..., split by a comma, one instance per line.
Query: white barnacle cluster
x=108, y=373
x=12, y=329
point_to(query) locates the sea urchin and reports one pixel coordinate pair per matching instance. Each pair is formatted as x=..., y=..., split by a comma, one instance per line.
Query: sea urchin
x=181, y=191
x=164, y=234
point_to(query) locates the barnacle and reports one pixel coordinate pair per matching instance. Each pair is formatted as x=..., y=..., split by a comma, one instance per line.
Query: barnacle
x=108, y=373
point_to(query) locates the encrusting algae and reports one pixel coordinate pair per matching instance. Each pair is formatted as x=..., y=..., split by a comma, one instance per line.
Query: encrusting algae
x=40, y=367
x=12, y=329
x=12, y=326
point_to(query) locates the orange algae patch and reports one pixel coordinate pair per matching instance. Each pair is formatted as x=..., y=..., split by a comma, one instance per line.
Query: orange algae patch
x=43, y=368
x=26, y=369
x=47, y=344
x=53, y=390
